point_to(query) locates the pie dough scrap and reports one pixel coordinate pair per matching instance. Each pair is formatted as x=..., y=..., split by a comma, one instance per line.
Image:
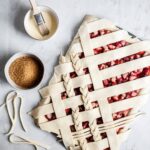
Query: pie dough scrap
x=97, y=88
x=15, y=113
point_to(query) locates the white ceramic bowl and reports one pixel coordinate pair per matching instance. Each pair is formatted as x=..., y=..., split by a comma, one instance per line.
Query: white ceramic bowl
x=53, y=27
x=13, y=58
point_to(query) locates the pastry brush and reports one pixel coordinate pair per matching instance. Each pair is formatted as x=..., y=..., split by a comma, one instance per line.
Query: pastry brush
x=39, y=19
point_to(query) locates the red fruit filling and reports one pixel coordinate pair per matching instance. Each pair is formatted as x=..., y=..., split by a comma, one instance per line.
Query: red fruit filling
x=68, y=111
x=110, y=47
x=129, y=76
x=73, y=74
x=86, y=70
x=90, y=88
x=121, y=114
x=99, y=120
x=99, y=33
x=85, y=125
x=91, y=139
x=108, y=82
x=81, y=55
x=64, y=95
x=119, y=130
x=95, y=104
x=50, y=117
x=122, y=60
x=72, y=128
x=124, y=96
x=77, y=91
x=82, y=108
x=107, y=47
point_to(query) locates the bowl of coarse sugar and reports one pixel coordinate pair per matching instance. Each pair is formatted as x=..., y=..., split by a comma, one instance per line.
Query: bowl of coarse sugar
x=24, y=71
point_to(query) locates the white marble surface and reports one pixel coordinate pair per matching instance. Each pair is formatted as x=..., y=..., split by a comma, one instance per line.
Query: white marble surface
x=132, y=15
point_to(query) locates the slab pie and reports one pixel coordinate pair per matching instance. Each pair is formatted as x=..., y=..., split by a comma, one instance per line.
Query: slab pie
x=97, y=88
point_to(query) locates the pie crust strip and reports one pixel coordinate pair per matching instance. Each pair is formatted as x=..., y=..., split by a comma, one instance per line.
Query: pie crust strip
x=96, y=95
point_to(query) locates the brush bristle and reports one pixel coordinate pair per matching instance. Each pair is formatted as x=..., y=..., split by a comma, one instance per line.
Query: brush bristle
x=43, y=29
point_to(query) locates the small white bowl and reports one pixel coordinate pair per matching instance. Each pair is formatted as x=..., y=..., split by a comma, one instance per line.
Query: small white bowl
x=12, y=59
x=31, y=26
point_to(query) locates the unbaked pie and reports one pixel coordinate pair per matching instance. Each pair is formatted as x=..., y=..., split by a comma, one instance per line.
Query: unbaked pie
x=97, y=88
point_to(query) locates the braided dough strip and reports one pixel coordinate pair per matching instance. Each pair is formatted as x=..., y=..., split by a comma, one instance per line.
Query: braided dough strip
x=98, y=94
x=101, y=145
x=99, y=76
x=83, y=43
x=105, y=57
x=48, y=126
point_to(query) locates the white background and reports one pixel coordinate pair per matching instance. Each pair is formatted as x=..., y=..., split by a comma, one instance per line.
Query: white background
x=132, y=15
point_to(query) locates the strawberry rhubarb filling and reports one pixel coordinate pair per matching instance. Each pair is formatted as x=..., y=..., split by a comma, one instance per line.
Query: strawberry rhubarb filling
x=129, y=76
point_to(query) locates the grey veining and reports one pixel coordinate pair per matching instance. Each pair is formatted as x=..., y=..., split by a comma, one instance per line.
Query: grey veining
x=132, y=15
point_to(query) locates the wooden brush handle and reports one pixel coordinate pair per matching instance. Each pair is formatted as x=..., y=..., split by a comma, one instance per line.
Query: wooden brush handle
x=34, y=6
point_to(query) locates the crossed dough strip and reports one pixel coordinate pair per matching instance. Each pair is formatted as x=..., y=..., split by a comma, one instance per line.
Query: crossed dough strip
x=89, y=38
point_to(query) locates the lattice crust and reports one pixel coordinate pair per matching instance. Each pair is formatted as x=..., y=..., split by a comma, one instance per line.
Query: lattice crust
x=97, y=88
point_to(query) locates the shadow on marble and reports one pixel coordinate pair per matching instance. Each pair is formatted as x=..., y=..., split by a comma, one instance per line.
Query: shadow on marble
x=19, y=19
x=74, y=32
x=65, y=48
x=3, y=59
x=58, y=139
